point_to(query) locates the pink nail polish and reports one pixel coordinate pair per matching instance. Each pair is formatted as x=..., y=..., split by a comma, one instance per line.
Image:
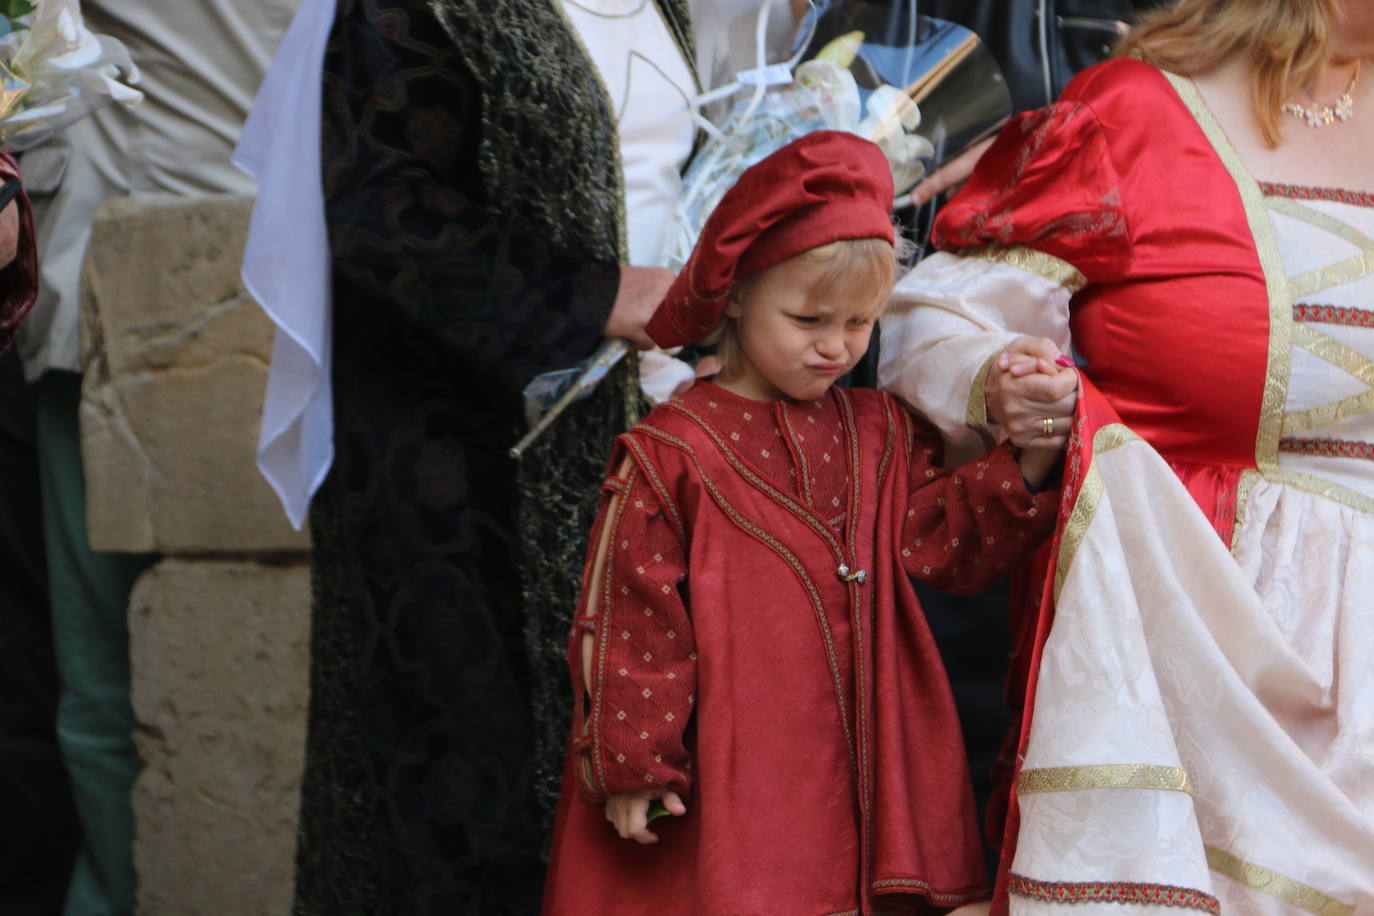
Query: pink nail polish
x=1065, y=360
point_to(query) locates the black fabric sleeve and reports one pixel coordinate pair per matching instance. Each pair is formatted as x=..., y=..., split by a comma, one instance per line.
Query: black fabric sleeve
x=407, y=210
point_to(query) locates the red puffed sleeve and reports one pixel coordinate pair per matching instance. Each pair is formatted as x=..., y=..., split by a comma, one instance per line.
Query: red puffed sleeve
x=18, y=280
x=967, y=527
x=1046, y=196
x=632, y=710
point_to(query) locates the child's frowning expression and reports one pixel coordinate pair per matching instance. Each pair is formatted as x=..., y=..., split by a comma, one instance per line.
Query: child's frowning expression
x=798, y=329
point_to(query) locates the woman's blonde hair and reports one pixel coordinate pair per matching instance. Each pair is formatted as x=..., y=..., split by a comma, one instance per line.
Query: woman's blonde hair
x=867, y=268
x=1284, y=41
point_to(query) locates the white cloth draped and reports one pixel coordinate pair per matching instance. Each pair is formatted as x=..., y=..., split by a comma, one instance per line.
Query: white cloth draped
x=286, y=262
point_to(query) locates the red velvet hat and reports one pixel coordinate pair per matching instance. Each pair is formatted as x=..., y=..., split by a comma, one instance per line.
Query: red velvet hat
x=823, y=187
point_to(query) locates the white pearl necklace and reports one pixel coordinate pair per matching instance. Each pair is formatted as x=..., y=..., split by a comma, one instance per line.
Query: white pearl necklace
x=1327, y=114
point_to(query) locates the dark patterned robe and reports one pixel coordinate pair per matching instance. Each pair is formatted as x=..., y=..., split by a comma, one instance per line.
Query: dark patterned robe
x=473, y=197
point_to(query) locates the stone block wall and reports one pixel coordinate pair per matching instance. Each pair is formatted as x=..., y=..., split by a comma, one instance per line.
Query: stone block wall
x=219, y=654
x=175, y=357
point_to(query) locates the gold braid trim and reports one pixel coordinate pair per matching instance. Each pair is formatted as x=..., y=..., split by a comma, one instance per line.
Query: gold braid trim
x=1043, y=265
x=1261, y=879
x=976, y=415
x=1103, y=776
x=1088, y=499
x=1271, y=265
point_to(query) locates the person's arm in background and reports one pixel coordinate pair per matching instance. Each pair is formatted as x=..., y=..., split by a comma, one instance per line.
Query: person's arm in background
x=18, y=256
x=408, y=217
x=950, y=175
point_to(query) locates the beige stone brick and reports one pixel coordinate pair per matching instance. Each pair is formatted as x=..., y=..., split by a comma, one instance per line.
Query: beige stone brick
x=175, y=356
x=220, y=662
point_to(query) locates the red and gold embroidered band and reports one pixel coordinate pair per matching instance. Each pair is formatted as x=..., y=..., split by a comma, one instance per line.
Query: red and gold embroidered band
x=1112, y=892
x=1333, y=314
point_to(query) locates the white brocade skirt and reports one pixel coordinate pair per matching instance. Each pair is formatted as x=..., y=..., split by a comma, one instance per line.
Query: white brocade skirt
x=1203, y=731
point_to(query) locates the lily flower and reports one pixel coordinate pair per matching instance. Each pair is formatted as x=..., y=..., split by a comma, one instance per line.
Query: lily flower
x=54, y=70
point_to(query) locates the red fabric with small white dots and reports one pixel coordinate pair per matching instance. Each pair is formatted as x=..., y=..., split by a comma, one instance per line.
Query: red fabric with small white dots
x=965, y=529
x=804, y=716
x=643, y=692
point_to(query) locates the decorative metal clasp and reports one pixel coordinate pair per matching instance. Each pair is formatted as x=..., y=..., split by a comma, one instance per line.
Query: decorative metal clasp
x=859, y=575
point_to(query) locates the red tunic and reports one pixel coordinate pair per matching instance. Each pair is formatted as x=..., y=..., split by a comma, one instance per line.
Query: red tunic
x=743, y=660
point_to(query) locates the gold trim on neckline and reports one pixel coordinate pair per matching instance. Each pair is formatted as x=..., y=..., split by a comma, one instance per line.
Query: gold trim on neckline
x=1271, y=265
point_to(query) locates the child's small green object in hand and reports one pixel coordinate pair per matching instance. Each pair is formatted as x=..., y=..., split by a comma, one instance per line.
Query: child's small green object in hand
x=656, y=810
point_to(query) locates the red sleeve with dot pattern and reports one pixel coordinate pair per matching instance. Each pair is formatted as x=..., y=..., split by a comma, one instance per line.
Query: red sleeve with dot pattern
x=632, y=710
x=968, y=527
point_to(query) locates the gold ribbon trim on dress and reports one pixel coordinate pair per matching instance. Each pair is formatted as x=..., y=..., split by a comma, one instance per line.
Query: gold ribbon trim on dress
x=1045, y=266
x=976, y=416
x=1104, y=776
x=1339, y=273
x=1271, y=264
x=1283, y=292
x=1343, y=357
x=1088, y=499
x=1261, y=879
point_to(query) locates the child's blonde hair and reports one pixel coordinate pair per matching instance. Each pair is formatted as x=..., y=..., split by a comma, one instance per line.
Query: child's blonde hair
x=866, y=267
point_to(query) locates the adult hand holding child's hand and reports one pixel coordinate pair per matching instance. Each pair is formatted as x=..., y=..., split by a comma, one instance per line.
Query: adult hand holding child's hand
x=641, y=290
x=1027, y=384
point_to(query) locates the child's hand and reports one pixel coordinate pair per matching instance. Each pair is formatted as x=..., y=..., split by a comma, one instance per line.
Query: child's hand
x=629, y=813
x=1029, y=383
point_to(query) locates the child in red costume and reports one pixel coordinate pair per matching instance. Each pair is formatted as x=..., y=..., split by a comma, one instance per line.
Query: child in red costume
x=749, y=654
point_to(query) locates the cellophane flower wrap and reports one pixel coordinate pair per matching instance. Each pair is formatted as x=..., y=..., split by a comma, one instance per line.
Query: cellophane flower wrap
x=906, y=64
x=54, y=70
x=921, y=88
x=820, y=94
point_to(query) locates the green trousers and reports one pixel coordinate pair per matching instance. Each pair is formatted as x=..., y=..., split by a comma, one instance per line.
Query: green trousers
x=90, y=599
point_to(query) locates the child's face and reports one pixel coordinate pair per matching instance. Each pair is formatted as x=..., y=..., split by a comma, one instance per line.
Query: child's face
x=794, y=347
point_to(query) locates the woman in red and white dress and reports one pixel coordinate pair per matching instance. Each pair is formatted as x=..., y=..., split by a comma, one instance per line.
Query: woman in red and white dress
x=1194, y=222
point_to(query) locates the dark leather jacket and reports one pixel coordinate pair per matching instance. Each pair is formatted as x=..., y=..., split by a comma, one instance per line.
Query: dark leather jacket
x=1041, y=44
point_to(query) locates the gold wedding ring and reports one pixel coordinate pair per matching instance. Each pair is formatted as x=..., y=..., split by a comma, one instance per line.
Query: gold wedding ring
x=1047, y=424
